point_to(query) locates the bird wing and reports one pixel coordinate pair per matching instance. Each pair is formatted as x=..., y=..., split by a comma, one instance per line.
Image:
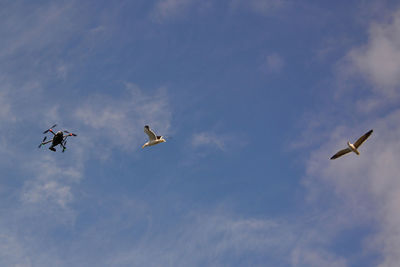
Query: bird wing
x=362, y=139
x=150, y=133
x=341, y=153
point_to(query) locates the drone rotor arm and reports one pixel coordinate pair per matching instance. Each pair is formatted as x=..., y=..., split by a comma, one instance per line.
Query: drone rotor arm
x=50, y=129
x=63, y=145
x=69, y=134
x=44, y=143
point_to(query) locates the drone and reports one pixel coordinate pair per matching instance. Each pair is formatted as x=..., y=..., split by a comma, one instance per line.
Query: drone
x=58, y=139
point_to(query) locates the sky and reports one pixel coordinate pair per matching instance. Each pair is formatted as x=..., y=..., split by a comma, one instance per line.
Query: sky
x=254, y=97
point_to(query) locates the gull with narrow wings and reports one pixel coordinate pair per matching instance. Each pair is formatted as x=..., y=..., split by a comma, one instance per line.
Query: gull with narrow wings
x=153, y=138
x=352, y=147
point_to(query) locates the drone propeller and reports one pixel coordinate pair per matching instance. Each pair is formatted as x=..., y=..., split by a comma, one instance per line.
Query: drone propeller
x=50, y=129
x=69, y=134
x=44, y=139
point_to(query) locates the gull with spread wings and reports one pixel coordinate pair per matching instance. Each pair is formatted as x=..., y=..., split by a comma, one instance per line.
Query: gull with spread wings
x=353, y=147
x=153, y=138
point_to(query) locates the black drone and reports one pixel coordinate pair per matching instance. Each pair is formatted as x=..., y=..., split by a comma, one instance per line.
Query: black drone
x=58, y=139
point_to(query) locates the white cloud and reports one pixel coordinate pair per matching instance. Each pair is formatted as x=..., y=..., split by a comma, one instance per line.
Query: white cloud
x=39, y=189
x=45, y=196
x=165, y=9
x=316, y=258
x=263, y=7
x=365, y=189
x=222, y=239
x=49, y=191
x=12, y=252
x=62, y=71
x=172, y=9
x=121, y=120
x=51, y=181
x=274, y=63
x=33, y=29
x=5, y=108
x=131, y=236
x=379, y=59
x=362, y=191
x=377, y=62
x=210, y=139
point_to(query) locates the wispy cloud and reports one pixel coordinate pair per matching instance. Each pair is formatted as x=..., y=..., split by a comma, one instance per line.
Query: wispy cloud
x=363, y=191
x=121, y=119
x=51, y=181
x=223, y=239
x=377, y=62
x=48, y=188
x=21, y=30
x=263, y=7
x=209, y=139
x=274, y=63
x=367, y=185
x=166, y=9
x=5, y=108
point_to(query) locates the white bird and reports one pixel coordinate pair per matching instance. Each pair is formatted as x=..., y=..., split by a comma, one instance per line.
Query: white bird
x=153, y=138
x=352, y=147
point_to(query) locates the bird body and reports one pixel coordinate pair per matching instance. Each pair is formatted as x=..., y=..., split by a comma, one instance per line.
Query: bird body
x=154, y=142
x=353, y=148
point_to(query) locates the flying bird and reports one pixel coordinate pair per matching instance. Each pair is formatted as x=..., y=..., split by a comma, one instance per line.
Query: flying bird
x=153, y=138
x=352, y=147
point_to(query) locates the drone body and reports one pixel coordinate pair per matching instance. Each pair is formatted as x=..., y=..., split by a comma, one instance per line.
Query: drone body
x=58, y=139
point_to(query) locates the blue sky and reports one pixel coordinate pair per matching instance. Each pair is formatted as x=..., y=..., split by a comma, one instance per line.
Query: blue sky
x=257, y=95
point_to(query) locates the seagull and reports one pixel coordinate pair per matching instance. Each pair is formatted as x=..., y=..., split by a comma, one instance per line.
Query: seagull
x=353, y=147
x=153, y=138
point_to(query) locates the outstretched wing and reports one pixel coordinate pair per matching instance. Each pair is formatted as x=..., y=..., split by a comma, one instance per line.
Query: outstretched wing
x=341, y=153
x=362, y=139
x=150, y=133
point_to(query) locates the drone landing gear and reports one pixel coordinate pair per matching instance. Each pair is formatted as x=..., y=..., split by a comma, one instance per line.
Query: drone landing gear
x=52, y=149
